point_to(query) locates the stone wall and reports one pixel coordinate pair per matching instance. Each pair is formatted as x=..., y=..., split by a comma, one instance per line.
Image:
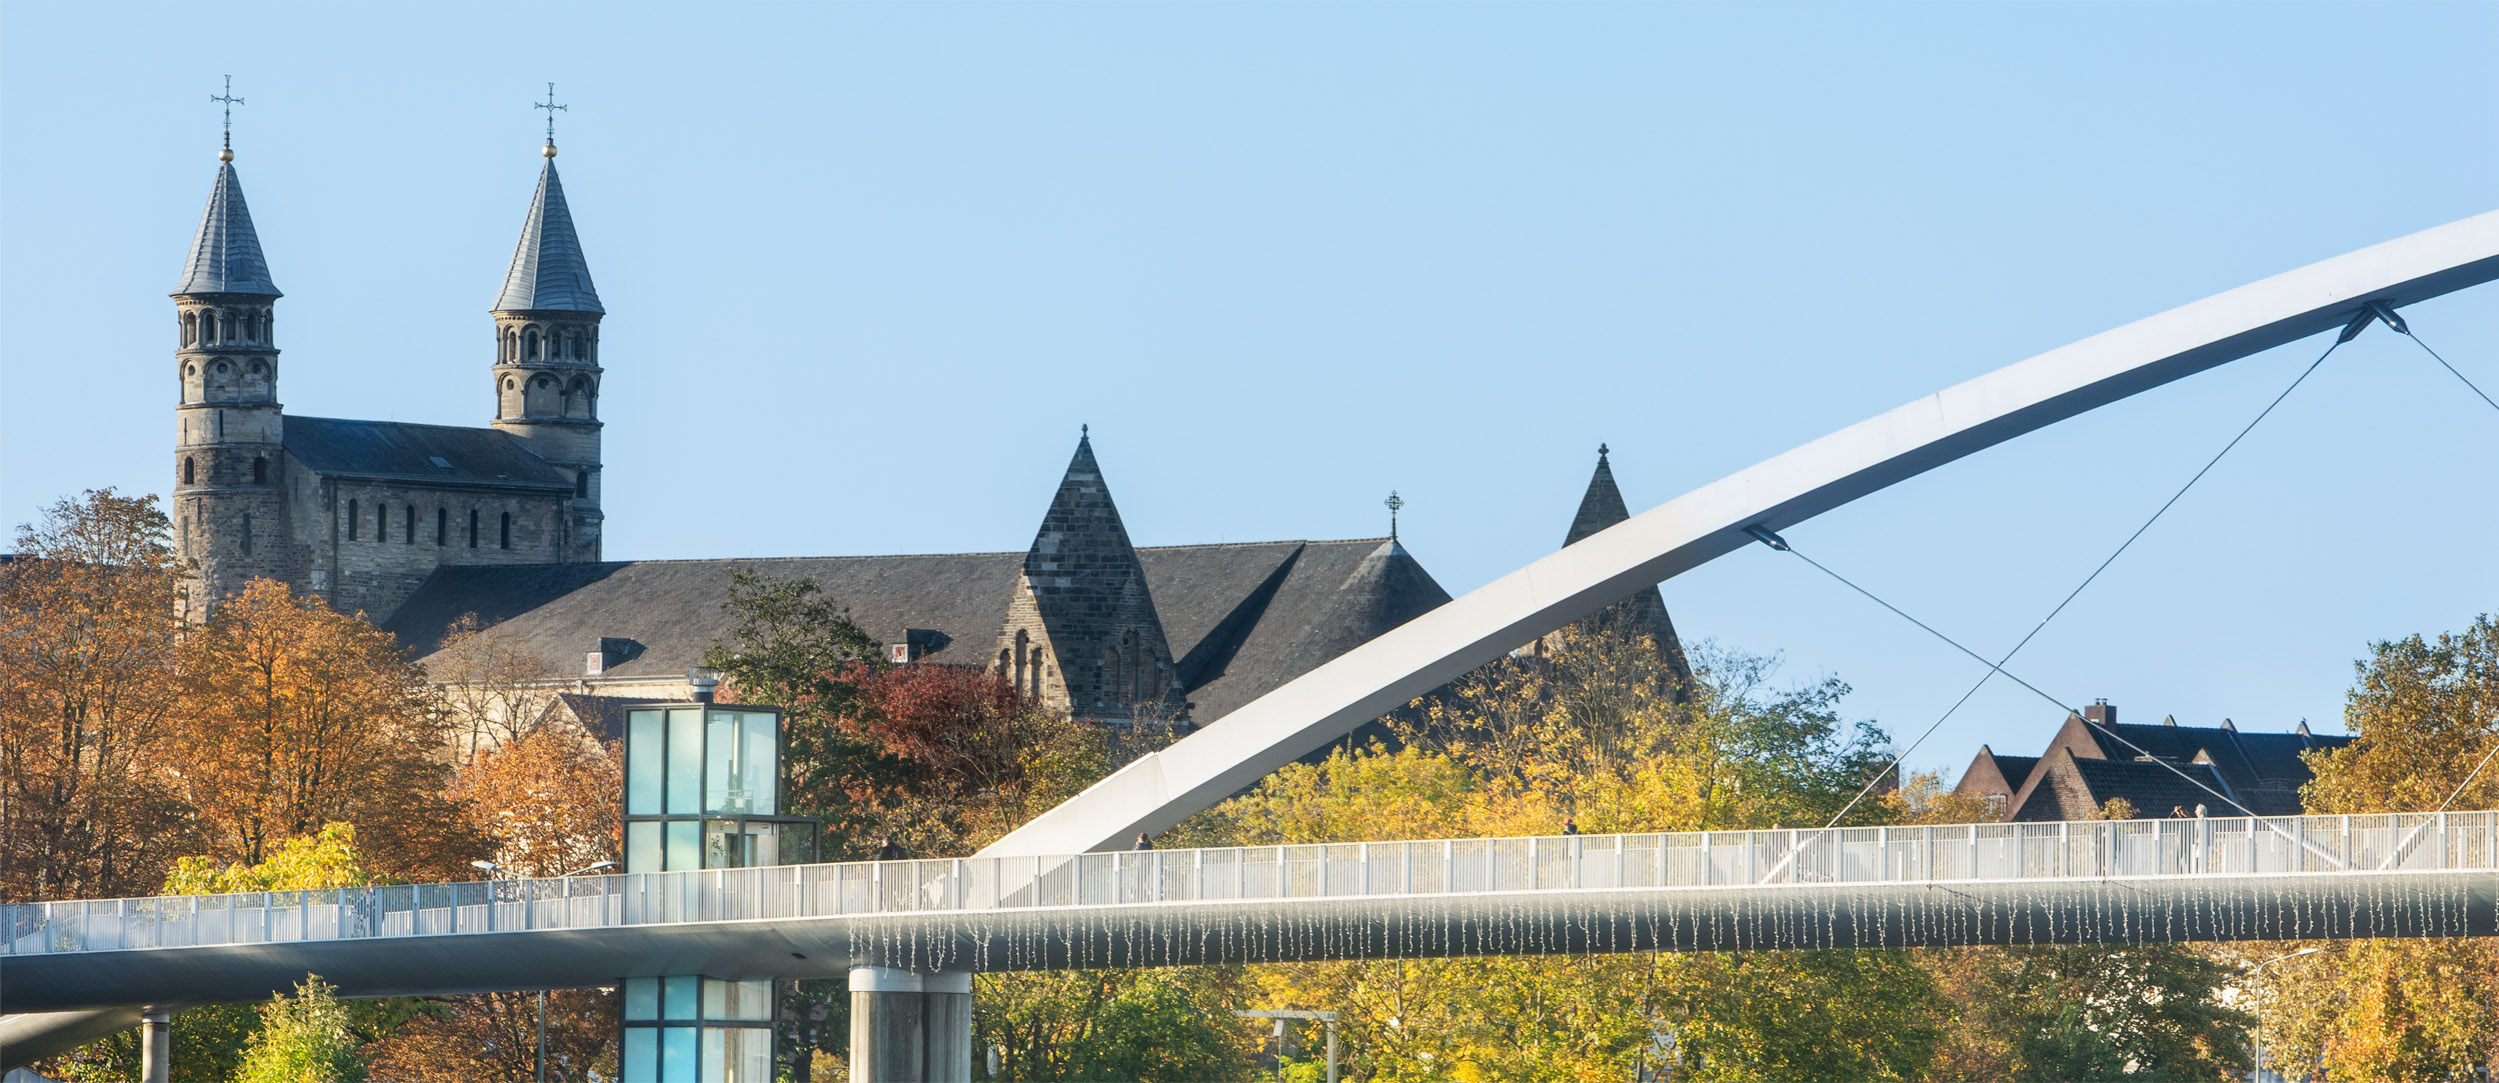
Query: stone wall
x=376, y=564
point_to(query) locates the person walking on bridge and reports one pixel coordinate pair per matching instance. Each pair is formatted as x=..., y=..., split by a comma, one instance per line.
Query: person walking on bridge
x=888, y=850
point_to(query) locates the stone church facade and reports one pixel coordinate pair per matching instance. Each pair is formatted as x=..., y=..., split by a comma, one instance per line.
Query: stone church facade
x=418, y=526
x=363, y=512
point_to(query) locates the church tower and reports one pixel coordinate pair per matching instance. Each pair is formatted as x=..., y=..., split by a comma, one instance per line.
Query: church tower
x=1082, y=635
x=229, y=506
x=547, y=355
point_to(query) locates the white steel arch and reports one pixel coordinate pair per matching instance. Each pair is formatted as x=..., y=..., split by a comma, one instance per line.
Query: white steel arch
x=1326, y=703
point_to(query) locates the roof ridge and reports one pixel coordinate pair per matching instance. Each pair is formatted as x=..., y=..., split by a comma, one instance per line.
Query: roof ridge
x=292, y=418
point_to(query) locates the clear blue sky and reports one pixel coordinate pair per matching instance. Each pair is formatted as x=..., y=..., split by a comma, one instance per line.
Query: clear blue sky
x=869, y=267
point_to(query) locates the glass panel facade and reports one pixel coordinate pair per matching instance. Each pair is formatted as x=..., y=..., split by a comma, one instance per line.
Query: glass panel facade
x=641, y=1056
x=676, y=1056
x=642, y=847
x=759, y=763
x=641, y=998
x=677, y=996
x=737, y=1055
x=685, y=845
x=685, y=760
x=743, y=1000
x=643, y=745
x=741, y=751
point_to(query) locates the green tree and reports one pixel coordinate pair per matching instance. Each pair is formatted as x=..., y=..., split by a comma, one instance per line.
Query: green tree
x=2090, y=1013
x=303, y=1039
x=1116, y=1024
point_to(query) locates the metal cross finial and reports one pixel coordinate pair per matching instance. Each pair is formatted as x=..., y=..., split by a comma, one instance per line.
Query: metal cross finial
x=230, y=102
x=1394, y=502
x=1085, y=431
x=550, y=106
x=1600, y=451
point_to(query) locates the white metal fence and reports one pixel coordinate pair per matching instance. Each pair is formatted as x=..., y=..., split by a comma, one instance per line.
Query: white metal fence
x=2452, y=841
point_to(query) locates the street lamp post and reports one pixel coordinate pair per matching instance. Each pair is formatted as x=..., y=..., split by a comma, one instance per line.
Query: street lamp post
x=2256, y=977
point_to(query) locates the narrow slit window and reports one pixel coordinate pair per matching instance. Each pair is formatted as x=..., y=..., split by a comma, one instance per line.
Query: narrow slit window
x=407, y=525
x=472, y=528
x=507, y=530
x=352, y=520
x=442, y=526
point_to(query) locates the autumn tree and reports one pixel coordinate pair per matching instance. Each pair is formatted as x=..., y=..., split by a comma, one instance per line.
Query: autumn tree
x=494, y=1036
x=550, y=801
x=88, y=635
x=297, y=716
x=1592, y=731
x=2424, y=715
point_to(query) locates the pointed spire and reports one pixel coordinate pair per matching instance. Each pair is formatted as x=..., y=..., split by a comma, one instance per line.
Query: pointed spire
x=1644, y=612
x=1084, y=598
x=548, y=271
x=1602, y=506
x=225, y=256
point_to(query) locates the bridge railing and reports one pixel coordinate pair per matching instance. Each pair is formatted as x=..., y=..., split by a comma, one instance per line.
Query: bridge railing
x=2284, y=845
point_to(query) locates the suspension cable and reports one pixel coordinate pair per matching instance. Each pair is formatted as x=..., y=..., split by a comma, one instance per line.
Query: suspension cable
x=2468, y=383
x=1993, y=668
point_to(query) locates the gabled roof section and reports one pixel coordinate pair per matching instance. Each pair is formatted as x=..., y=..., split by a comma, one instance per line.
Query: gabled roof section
x=431, y=454
x=225, y=255
x=549, y=273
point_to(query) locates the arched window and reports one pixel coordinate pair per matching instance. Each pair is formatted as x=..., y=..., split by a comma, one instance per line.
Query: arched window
x=1023, y=648
x=1005, y=662
x=260, y=470
x=507, y=530
x=190, y=471
x=1034, y=689
x=353, y=520
x=472, y=528
x=208, y=327
x=442, y=526
x=268, y=326
x=529, y=347
x=407, y=526
x=190, y=328
x=581, y=483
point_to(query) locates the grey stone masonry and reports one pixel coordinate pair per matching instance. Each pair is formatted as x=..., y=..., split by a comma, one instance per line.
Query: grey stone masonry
x=229, y=506
x=1644, y=612
x=1081, y=629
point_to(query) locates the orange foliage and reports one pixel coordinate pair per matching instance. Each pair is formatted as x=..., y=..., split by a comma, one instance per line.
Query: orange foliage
x=299, y=716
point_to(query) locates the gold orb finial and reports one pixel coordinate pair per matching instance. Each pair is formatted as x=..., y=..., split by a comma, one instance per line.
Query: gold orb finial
x=226, y=155
x=549, y=149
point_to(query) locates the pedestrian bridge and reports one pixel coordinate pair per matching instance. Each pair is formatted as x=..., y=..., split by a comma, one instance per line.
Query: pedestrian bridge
x=2121, y=882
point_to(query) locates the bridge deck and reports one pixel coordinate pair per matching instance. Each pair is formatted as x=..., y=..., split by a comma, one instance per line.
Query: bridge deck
x=2097, y=881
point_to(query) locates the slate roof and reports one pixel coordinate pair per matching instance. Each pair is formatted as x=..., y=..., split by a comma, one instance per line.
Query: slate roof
x=548, y=271
x=1234, y=614
x=405, y=451
x=2016, y=769
x=2152, y=788
x=225, y=254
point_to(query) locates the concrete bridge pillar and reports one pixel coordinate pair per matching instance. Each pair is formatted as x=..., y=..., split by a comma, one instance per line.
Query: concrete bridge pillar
x=156, y=1046
x=910, y=1027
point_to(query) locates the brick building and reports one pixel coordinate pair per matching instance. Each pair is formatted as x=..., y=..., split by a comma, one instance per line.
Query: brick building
x=2157, y=769
x=418, y=525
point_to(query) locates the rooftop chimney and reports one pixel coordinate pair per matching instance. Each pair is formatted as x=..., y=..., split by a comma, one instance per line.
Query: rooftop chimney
x=2101, y=712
